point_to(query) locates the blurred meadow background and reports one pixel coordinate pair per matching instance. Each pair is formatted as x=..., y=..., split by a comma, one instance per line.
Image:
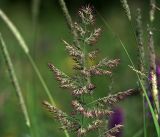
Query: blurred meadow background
x=43, y=27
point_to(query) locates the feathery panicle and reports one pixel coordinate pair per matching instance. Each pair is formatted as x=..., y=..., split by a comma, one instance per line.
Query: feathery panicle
x=90, y=113
x=141, y=52
x=84, y=90
x=113, y=131
x=108, y=63
x=142, y=74
x=112, y=99
x=93, y=71
x=97, y=69
x=75, y=53
x=126, y=8
x=94, y=36
x=94, y=116
x=152, y=58
x=86, y=15
x=80, y=29
x=93, y=54
x=61, y=117
x=91, y=127
x=65, y=81
x=152, y=10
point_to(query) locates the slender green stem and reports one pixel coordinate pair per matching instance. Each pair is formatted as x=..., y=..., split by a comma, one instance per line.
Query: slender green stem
x=141, y=84
x=35, y=10
x=138, y=134
x=69, y=21
x=145, y=93
x=144, y=117
x=41, y=80
x=25, y=48
x=15, y=81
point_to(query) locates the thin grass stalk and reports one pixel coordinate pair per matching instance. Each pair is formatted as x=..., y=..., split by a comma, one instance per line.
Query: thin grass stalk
x=152, y=60
x=141, y=84
x=141, y=55
x=25, y=48
x=35, y=10
x=15, y=81
x=144, y=116
x=69, y=21
x=145, y=93
x=14, y=31
x=141, y=52
x=138, y=133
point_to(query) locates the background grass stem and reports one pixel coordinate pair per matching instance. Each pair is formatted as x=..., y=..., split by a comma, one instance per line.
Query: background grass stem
x=15, y=81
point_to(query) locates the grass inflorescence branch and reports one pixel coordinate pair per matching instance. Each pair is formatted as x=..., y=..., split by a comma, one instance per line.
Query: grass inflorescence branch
x=86, y=116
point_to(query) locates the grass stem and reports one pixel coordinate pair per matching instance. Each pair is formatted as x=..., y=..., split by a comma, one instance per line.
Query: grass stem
x=15, y=80
x=25, y=48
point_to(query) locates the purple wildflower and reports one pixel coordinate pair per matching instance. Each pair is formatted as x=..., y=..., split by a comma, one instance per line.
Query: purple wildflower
x=116, y=118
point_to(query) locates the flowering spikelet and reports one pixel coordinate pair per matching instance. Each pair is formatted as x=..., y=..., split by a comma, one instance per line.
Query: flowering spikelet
x=108, y=63
x=61, y=116
x=93, y=71
x=92, y=39
x=65, y=81
x=86, y=15
x=93, y=54
x=90, y=113
x=76, y=54
x=73, y=51
x=112, y=99
x=83, y=90
x=126, y=8
x=96, y=70
x=113, y=131
x=79, y=29
x=141, y=52
x=91, y=127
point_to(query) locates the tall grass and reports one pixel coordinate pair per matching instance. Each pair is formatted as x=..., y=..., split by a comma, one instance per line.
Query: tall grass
x=25, y=48
x=15, y=82
x=142, y=85
x=23, y=45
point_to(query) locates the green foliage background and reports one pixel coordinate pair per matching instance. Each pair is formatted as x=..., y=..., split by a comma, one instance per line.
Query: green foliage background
x=43, y=35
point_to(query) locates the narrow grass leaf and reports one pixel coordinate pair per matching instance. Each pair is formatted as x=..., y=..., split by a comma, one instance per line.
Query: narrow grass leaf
x=26, y=50
x=142, y=86
x=14, y=31
x=14, y=80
